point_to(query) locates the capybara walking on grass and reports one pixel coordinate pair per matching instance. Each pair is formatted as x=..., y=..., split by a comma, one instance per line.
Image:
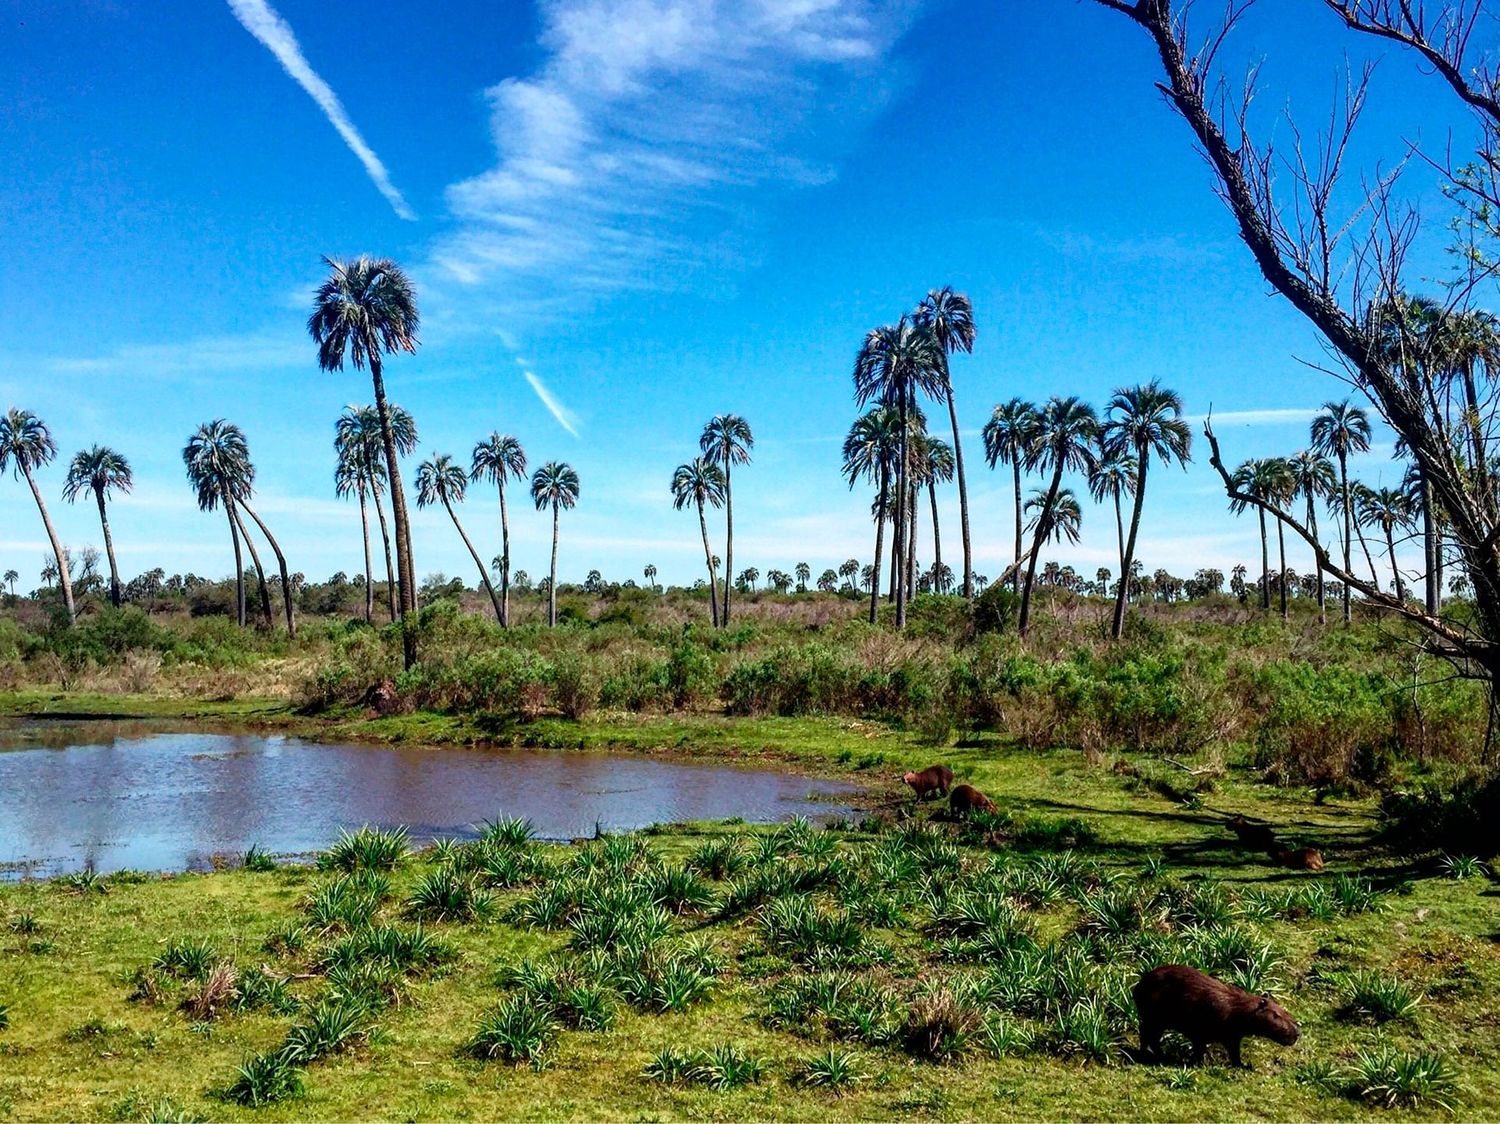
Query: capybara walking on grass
x=1256, y=836
x=1300, y=858
x=934, y=778
x=965, y=798
x=1193, y=1003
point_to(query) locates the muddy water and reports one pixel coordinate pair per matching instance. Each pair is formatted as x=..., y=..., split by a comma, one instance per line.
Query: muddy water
x=121, y=795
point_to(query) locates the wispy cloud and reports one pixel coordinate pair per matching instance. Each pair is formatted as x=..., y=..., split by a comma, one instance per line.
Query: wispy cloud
x=263, y=22
x=623, y=158
x=1294, y=415
x=564, y=416
x=201, y=354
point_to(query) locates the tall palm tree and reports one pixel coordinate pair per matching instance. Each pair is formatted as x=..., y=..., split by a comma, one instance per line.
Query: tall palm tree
x=218, y=465
x=442, y=480
x=1067, y=515
x=404, y=433
x=1008, y=437
x=1145, y=420
x=1312, y=479
x=949, y=317
x=351, y=478
x=1112, y=477
x=1387, y=509
x=1065, y=435
x=11, y=577
x=650, y=575
x=870, y=452
x=100, y=470
x=242, y=505
x=25, y=445
x=939, y=463
x=499, y=456
x=365, y=309
x=1342, y=429
x=727, y=441
x=1268, y=479
x=895, y=364
x=701, y=482
x=804, y=575
x=555, y=485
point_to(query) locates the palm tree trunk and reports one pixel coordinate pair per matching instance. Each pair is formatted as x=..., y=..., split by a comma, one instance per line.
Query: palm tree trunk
x=392, y=587
x=504, y=557
x=1433, y=551
x=484, y=577
x=364, y=530
x=728, y=541
x=1128, y=556
x=963, y=493
x=1036, y=547
x=552, y=582
x=708, y=558
x=64, y=578
x=1265, y=564
x=239, y=563
x=260, y=572
x=1015, y=576
x=1348, y=529
x=109, y=551
x=1390, y=546
x=911, y=544
x=898, y=532
x=1312, y=526
x=1281, y=575
x=937, y=539
x=286, y=581
x=404, y=563
x=885, y=486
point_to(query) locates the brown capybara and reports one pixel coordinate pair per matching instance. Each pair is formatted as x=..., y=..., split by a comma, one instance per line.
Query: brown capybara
x=1256, y=836
x=1299, y=858
x=934, y=778
x=965, y=798
x=1193, y=1003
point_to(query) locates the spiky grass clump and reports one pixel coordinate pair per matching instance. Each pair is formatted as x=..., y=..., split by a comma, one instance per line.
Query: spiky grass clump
x=258, y=859
x=1463, y=866
x=719, y=859
x=265, y=1079
x=331, y=1026
x=24, y=924
x=521, y=1030
x=1354, y=895
x=795, y=926
x=213, y=994
x=288, y=940
x=940, y=1027
x=508, y=831
x=370, y=983
x=84, y=882
x=1393, y=1079
x=574, y=1000
x=443, y=895
x=1370, y=995
x=186, y=959
x=832, y=1069
x=679, y=889
x=410, y=950
x=260, y=990
x=4, y=1016
x=349, y=901
x=368, y=848
x=723, y=1067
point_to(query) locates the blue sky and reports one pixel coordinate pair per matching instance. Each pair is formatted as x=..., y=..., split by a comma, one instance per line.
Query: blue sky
x=654, y=210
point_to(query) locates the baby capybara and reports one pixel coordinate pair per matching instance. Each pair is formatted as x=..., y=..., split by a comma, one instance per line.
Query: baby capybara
x=1193, y=1003
x=1300, y=858
x=934, y=778
x=965, y=798
x=1256, y=836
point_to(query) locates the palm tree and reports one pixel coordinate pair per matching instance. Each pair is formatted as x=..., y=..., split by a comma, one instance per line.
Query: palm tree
x=849, y=570
x=1386, y=508
x=896, y=363
x=366, y=308
x=1144, y=420
x=11, y=577
x=1268, y=479
x=287, y=600
x=1113, y=477
x=1008, y=437
x=99, y=470
x=727, y=441
x=1066, y=430
x=870, y=451
x=1067, y=515
x=949, y=317
x=1312, y=478
x=218, y=465
x=804, y=575
x=442, y=480
x=404, y=433
x=351, y=478
x=25, y=445
x=650, y=574
x=701, y=482
x=495, y=458
x=1342, y=429
x=939, y=463
x=555, y=485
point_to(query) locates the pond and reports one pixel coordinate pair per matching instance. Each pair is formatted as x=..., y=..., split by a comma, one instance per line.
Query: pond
x=116, y=795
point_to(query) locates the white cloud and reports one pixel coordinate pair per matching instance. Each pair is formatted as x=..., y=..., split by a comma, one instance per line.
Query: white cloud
x=263, y=22
x=1296, y=415
x=203, y=354
x=563, y=416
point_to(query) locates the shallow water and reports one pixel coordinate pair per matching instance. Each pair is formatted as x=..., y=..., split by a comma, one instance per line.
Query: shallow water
x=115, y=795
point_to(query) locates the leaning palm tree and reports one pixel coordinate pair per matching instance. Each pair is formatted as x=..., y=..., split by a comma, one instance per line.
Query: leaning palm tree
x=25, y=445
x=100, y=470
x=496, y=457
x=1112, y=478
x=949, y=317
x=404, y=433
x=870, y=452
x=555, y=485
x=701, y=482
x=1312, y=478
x=351, y=478
x=442, y=480
x=367, y=308
x=1065, y=435
x=727, y=441
x=1342, y=429
x=218, y=465
x=1008, y=437
x=896, y=363
x=1387, y=509
x=1144, y=420
x=1066, y=521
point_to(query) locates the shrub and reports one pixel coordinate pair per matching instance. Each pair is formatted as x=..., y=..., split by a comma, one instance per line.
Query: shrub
x=1319, y=725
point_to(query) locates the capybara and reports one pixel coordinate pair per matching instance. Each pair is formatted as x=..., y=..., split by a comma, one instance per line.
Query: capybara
x=1299, y=858
x=934, y=778
x=1256, y=836
x=1193, y=1003
x=965, y=798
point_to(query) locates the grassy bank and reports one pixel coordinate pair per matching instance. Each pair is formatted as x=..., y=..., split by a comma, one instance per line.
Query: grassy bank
x=936, y=973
